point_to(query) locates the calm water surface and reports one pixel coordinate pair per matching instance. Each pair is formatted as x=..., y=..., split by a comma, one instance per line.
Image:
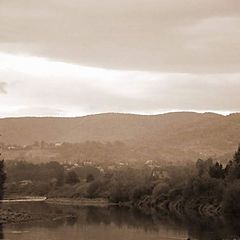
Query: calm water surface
x=109, y=223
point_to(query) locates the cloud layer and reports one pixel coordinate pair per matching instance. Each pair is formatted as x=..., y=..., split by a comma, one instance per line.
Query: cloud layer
x=167, y=36
x=76, y=57
x=38, y=86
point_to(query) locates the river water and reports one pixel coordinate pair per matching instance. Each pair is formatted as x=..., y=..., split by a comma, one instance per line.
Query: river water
x=58, y=222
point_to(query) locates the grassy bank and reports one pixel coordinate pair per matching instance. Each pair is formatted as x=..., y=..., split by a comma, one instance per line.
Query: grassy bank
x=205, y=188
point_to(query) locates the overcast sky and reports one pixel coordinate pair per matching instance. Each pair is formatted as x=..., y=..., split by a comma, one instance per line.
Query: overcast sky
x=78, y=57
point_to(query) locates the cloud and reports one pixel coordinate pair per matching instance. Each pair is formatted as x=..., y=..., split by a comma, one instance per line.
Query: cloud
x=39, y=86
x=75, y=57
x=167, y=36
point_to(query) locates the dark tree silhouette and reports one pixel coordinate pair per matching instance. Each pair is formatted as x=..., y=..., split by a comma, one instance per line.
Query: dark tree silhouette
x=1, y=232
x=233, y=167
x=90, y=178
x=72, y=178
x=2, y=178
x=236, y=156
x=203, y=166
x=217, y=171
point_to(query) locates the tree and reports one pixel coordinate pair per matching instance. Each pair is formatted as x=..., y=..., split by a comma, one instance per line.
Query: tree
x=233, y=167
x=203, y=166
x=72, y=178
x=89, y=178
x=140, y=191
x=2, y=178
x=119, y=192
x=228, y=167
x=231, y=203
x=217, y=171
x=236, y=157
x=206, y=187
x=93, y=189
x=160, y=188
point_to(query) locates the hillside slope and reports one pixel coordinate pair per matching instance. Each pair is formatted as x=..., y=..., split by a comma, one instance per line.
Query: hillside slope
x=170, y=135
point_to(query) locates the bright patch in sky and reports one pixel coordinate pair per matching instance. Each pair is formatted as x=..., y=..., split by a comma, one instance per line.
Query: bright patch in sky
x=44, y=87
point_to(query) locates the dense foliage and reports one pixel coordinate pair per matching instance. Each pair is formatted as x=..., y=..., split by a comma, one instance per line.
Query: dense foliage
x=207, y=183
x=2, y=179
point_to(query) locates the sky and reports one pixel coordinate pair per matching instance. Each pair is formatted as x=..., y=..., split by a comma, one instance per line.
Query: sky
x=76, y=57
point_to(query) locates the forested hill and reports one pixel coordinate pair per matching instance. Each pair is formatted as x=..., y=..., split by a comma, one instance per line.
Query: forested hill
x=178, y=133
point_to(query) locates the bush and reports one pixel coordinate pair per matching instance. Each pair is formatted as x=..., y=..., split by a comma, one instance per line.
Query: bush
x=217, y=171
x=205, y=187
x=231, y=203
x=119, y=192
x=72, y=178
x=42, y=189
x=175, y=193
x=2, y=178
x=66, y=191
x=94, y=189
x=21, y=170
x=139, y=192
x=161, y=188
x=89, y=178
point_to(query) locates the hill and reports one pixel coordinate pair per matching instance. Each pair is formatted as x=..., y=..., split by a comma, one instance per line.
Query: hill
x=171, y=136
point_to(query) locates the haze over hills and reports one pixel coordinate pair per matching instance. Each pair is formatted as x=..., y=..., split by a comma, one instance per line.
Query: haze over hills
x=181, y=135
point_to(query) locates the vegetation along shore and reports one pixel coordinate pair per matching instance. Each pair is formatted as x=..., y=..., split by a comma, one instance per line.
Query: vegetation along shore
x=206, y=188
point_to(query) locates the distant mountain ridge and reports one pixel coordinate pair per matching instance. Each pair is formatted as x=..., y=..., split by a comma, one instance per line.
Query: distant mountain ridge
x=170, y=135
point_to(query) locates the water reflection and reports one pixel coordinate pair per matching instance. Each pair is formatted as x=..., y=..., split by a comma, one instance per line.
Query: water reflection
x=1, y=232
x=61, y=222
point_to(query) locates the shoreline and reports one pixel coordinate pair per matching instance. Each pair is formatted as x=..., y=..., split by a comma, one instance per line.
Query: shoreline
x=98, y=202
x=24, y=199
x=10, y=216
x=63, y=201
x=7, y=215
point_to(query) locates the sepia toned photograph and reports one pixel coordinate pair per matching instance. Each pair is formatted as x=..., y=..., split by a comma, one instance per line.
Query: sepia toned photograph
x=120, y=120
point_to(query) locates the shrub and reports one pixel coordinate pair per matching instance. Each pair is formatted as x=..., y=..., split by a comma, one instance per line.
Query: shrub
x=231, y=203
x=89, y=178
x=161, y=188
x=2, y=178
x=94, y=189
x=139, y=192
x=119, y=192
x=72, y=178
x=204, y=187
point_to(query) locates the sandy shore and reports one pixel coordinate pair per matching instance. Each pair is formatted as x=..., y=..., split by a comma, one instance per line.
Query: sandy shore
x=98, y=202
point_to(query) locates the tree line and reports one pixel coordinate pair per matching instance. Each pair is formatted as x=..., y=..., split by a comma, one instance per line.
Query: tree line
x=206, y=182
x=2, y=178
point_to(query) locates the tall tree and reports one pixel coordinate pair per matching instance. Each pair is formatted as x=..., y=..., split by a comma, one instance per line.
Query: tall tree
x=233, y=167
x=2, y=178
x=217, y=170
x=236, y=156
x=72, y=178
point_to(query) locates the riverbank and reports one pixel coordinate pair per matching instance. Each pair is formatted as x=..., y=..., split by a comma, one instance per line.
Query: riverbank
x=146, y=205
x=98, y=202
x=23, y=199
x=8, y=215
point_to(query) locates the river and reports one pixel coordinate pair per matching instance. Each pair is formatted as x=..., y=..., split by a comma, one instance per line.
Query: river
x=57, y=222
